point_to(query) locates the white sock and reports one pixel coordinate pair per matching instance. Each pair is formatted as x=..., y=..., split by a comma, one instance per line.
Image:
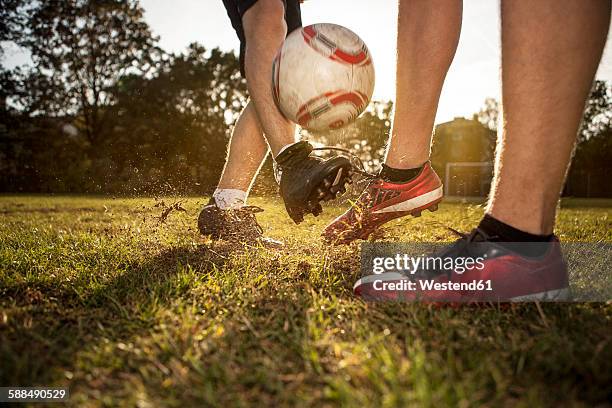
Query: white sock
x=230, y=198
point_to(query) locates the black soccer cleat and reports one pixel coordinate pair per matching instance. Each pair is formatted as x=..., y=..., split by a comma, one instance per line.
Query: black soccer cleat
x=306, y=180
x=237, y=224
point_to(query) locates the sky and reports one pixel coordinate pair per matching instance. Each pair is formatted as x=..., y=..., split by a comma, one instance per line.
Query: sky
x=473, y=76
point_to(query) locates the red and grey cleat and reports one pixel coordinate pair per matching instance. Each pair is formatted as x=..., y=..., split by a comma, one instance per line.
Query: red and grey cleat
x=501, y=272
x=382, y=202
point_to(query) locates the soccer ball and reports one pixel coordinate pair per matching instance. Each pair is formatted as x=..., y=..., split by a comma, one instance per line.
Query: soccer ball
x=323, y=77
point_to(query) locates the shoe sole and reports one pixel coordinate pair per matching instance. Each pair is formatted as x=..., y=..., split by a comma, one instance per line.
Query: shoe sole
x=413, y=204
x=556, y=295
x=416, y=212
x=329, y=187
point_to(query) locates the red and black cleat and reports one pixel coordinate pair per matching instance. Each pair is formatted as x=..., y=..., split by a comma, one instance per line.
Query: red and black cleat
x=382, y=202
x=306, y=181
x=503, y=272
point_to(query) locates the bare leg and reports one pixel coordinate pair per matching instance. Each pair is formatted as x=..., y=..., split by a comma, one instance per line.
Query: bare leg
x=265, y=30
x=427, y=36
x=550, y=53
x=246, y=153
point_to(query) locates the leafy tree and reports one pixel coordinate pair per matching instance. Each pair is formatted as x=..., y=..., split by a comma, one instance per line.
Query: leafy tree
x=366, y=137
x=80, y=49
x=172, y=129
x=489, y=113
x=597, y=111
x=12, y=15
x=594, y=149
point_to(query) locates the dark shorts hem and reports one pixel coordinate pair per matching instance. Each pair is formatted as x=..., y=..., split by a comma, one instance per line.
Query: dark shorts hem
x=237, y=8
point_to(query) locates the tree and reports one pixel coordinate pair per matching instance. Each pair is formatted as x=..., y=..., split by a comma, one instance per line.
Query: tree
x=12, y=15
x=80, y=49
x=172, y=128
x=594, y=148
x=366, y=137
x=489, y=113
x=592, y=163
x=597, y=111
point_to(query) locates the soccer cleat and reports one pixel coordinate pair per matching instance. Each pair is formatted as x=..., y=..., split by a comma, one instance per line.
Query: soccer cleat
x=382, y=202
x=500, y=273
x=306, y=181
x=237, y=224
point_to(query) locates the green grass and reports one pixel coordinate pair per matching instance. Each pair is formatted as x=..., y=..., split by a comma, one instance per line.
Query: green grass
x=97, y=296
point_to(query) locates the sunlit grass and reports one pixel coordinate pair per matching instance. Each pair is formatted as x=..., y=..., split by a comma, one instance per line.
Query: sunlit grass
x=97, y=295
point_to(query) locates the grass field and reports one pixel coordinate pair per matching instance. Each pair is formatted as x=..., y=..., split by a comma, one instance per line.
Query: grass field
x=99, y=296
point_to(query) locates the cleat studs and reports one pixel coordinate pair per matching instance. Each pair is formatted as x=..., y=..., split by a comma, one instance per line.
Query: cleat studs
x=327, y=183
x=338, y=177
x=297, y=215
x=433, y=208
x=416, y=214
x=320, y=193
x=314, y=207
x=338, y=190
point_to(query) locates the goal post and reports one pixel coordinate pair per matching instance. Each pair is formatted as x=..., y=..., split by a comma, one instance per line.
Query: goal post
x=467, y=179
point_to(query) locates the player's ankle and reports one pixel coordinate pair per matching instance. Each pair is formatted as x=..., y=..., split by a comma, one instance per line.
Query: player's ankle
x=401, y=160
x=293, y=152
x=501, y=232
x=396, y=175
x=507, y=233
x=230, y=198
